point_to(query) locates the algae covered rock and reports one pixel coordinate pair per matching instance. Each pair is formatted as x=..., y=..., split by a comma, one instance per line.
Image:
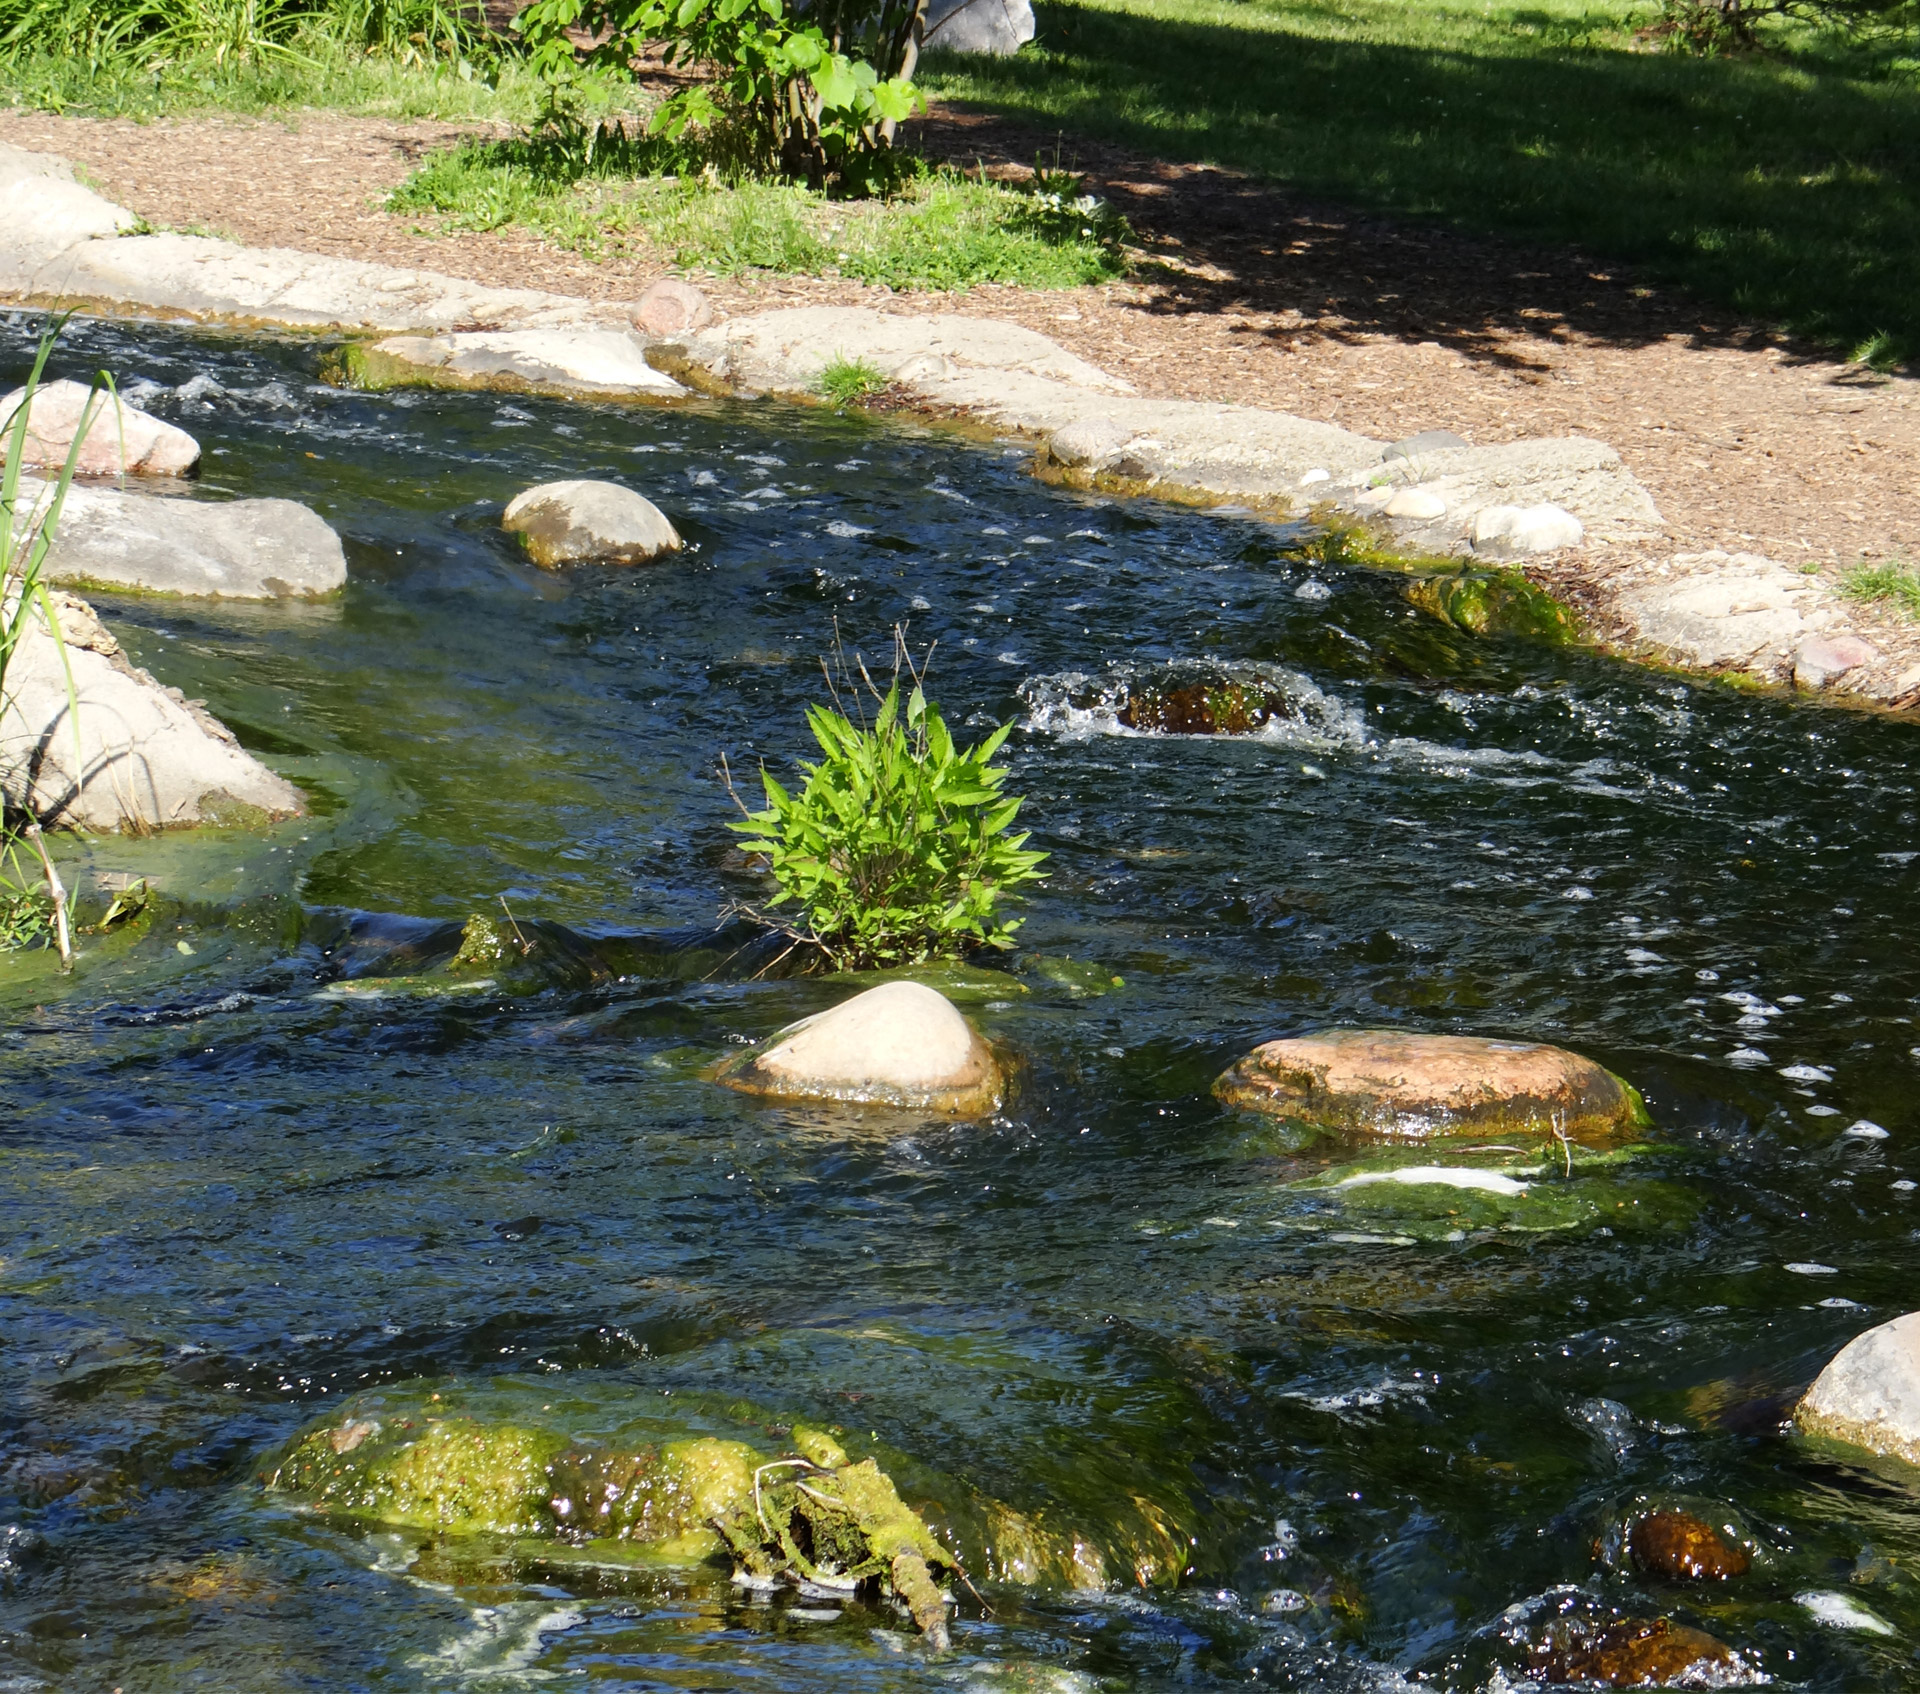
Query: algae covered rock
x=1392, y=1085
x=1869, y=1394
x=446, y=1461
x=902, y=1044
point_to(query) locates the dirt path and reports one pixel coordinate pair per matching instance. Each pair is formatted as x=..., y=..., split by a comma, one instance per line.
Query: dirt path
x=1745, y=440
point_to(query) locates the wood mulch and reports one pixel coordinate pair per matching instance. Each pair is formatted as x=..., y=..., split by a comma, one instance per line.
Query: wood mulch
x=1252, y=294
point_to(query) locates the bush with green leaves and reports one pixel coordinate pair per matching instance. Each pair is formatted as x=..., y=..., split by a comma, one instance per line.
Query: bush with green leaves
x=899, y=847
x=781, y=92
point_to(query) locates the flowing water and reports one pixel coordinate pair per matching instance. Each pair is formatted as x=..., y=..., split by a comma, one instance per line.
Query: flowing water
x=233, y=1192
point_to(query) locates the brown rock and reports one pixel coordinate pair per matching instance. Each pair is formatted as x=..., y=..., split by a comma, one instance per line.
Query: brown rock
x=1391, y=1085
x=1231, y=708
x=671, y=307
x=1681, y=1547
x=1633, y=1653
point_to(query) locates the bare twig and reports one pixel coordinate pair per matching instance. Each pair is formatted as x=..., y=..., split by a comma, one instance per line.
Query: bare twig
x=526, y=946
x=55, y=890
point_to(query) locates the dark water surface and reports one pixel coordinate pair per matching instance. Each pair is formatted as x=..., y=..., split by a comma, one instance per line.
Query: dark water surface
x=230, y=1194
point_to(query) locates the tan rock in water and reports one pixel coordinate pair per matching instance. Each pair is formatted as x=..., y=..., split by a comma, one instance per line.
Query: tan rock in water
x=1679, y=1546
x=119, y=437
x=1869, y=1394
x=901, y=1044
x=1394, y=1085
x=564, y=523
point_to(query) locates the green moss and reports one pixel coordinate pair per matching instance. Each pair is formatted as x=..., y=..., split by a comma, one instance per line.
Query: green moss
x=428, y=1473
x=1484, y=602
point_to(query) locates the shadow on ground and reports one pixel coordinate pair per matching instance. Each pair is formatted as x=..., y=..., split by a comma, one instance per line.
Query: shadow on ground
x=1777, y=197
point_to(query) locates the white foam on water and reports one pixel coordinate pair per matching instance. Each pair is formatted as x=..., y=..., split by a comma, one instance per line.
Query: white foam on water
x=1865, y=1129
x=1809, y=1267
x=1805, y=1073
x=1842, y=1611
x=502, y=1641
x=847, y=531
x=1747, y=1056
x=1441, y=1176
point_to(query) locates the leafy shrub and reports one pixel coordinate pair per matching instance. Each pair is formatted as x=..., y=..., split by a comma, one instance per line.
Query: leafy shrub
x=782, y=92
x=897, y=849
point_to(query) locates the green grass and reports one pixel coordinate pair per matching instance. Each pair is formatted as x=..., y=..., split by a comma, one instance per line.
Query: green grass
x=1782, y=185
x=944, y=231
x=845, y=381
x=1893, y=582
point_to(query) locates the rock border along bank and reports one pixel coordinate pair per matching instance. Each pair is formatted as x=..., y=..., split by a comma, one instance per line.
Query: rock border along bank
x=65, y=246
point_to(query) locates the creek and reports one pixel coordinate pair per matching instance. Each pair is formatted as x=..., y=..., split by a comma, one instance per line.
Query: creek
x=232, y=1191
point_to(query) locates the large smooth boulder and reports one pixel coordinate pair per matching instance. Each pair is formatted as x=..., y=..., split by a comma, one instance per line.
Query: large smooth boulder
x=1000, y=27
x=565, y=523
x=901, y=1044
x=578, y=359
x=1391, y=1085
x=231, y=549
x=148, y=758
x=1869, y=1394
x=119, y=437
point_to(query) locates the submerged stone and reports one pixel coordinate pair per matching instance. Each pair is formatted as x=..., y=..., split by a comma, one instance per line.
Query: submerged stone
x=1869, y=1394
x=565, y=523
x=811, y=1516
x=1680, y=1546
x=1394, y=1085
x=902, y=1044
x=1634, y=1653
x=1484, y=602
x=1221, y=708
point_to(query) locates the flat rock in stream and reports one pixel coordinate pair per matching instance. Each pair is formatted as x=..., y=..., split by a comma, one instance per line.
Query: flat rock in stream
x=581, y=361
x=1869, y=1394
x=564, y=523
x=148, y=758
x=1392, y=1085
x=119, y=438
x=232, y=549
x=901, y=1044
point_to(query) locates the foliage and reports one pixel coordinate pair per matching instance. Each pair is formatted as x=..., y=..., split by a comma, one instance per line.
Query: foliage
x=845, y=380
x=1734, y=26
x=1781, y=185
x=898, y=848
x=145, y=58
x=29, y=516
x=781, y=88
x=1892, y=581
x=943, y=230
x=227, y=33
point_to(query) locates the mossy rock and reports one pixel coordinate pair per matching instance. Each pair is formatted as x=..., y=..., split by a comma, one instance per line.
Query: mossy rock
x=1484, y=602
x=812, y=1514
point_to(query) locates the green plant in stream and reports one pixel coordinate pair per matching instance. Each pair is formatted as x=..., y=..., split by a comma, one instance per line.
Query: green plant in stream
x=29, y=515
x=900, y=846
x=1892, y=580
x=845, y=381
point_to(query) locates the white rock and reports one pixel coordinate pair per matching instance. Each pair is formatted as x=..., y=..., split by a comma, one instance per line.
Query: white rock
x=1525, y=529
x=147, y=758
x=47, y=213
x=119, y=437
x=235, y=549
x=1094, y=442
x=1842, y=1611
x=1319, y=473
x=1418, y=503
x=1440, y=1176
x=1718, y=608
x=1822, y=659
x=1869, y=1394
x=901, y=1044
x=578, y=361
x=979, y=26
x=563, y=523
